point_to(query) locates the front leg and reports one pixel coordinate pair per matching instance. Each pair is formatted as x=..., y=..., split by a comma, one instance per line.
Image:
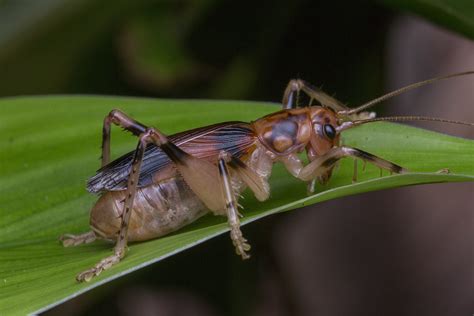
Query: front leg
x=321, y=165
x=311, y=155
x=294, y=165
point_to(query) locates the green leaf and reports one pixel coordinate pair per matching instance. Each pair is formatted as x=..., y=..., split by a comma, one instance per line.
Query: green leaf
x=50, y=146
x=455, y=15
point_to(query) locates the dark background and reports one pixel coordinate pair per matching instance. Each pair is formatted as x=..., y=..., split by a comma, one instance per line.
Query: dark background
x=406, y=251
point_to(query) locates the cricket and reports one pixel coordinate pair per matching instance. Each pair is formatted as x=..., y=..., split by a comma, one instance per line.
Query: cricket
x=171, y=181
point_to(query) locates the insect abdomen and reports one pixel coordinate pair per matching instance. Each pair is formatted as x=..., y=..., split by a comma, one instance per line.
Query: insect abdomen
x=158, y=209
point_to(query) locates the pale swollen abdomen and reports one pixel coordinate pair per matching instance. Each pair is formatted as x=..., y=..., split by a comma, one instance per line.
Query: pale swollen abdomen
x=158, y=209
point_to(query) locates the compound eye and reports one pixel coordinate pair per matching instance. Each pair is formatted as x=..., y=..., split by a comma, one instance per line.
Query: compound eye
x=330, y=131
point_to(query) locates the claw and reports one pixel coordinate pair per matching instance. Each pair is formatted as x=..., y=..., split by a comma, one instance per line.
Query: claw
x=240, y=243
x=104, y=264
x=86, y=276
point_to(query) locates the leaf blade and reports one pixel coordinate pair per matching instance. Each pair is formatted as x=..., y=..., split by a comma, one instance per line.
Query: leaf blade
x=45, y=161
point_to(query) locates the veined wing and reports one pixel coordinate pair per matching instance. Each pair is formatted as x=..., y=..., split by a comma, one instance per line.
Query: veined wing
x=203, y=142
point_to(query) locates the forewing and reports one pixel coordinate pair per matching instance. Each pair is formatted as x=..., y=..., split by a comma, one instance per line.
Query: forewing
x=204, y=142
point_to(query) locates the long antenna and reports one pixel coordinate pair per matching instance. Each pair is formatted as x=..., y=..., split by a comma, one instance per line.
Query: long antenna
x=402, y=90
x=410, y=118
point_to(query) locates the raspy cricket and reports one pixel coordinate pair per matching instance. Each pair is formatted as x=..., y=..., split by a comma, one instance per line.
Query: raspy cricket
x=170, y=181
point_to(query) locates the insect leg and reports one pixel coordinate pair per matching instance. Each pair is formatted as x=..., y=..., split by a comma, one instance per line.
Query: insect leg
x=292, y=91
x=120, y=246
x=201, y=176
x=311, y=155
x=254, y=181
x=294, y=165
x=123, y=120
x=325, y=162
x=240, y=243
x=69, y=240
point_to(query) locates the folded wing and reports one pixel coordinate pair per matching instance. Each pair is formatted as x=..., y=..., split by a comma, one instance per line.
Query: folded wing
x=204, y=142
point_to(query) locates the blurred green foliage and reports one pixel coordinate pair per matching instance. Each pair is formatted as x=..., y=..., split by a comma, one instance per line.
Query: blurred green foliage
x=212, y=49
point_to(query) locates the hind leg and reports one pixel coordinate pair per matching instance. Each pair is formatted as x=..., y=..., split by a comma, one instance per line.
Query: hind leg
x=121, y=119
x=69, y=240
x=121, y=245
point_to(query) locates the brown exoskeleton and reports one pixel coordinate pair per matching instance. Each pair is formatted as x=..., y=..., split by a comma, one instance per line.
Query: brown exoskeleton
x=170, y=181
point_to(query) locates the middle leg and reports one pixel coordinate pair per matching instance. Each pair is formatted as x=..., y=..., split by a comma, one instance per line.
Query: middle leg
x=201, y=176
x=240, y=243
